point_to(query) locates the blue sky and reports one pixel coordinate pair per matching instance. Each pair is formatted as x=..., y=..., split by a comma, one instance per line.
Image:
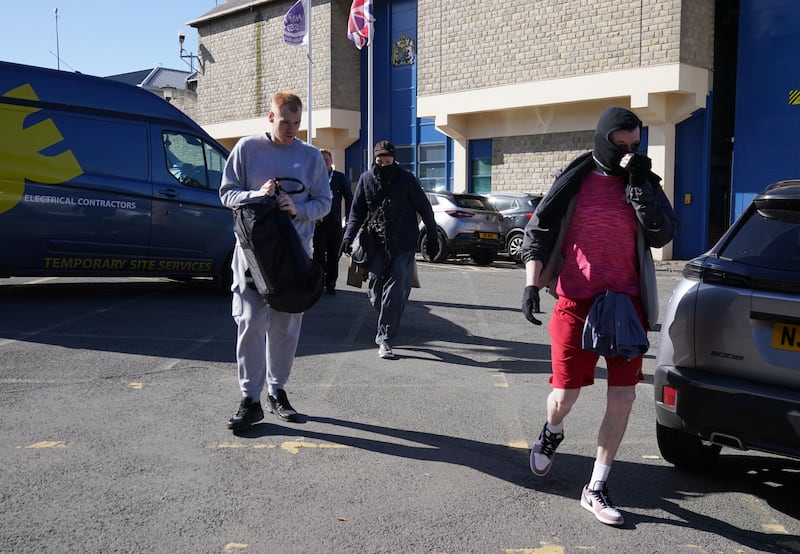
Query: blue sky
x=99, y=37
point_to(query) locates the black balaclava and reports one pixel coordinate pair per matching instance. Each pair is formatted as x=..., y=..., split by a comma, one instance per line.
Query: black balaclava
x=384, y=173
x=606, y=154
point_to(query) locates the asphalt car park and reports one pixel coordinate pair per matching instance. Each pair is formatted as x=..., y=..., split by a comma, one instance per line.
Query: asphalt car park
x=115, y=395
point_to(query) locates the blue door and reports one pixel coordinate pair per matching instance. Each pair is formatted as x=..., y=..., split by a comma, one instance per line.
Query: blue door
x=692, y=176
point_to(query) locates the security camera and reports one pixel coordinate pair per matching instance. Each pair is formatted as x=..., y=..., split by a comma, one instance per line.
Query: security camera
x=181, y=37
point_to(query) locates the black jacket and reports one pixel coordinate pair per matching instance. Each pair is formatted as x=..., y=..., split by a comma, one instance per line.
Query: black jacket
x=403, y=199
x=340, y=189
x=654, y=215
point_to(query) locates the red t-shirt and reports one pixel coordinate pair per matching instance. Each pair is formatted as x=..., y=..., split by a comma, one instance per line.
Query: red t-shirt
x=600, y=246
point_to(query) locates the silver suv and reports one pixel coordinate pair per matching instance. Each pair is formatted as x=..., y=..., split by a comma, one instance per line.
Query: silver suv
x=465, y=224
x=728, y=362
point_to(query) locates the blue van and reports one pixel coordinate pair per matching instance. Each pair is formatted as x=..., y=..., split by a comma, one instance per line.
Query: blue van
x=102, y=178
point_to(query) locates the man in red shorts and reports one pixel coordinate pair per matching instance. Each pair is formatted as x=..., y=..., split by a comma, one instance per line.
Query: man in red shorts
x=590, y=234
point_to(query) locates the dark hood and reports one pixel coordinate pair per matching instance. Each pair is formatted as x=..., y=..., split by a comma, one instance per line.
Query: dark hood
x=606, y=154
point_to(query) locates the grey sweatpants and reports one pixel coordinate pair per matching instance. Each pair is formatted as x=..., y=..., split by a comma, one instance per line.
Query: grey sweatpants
x=266, y=342
x=388, y=291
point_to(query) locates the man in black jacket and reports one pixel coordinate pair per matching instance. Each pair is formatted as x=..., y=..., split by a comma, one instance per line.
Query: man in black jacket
x=328, y=232
x=394, y=197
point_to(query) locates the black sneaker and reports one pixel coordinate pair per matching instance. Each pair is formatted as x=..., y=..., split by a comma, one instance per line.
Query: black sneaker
x=279, y=405
x=248, y=413
x=544, y=450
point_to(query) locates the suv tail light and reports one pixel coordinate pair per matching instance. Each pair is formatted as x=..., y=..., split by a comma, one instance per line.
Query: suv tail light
x=697, y=271
x=669, y=396
x=458, y=214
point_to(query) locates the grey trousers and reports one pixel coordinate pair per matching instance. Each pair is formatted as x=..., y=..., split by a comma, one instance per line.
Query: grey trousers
x=388, y=291
x=266, y=343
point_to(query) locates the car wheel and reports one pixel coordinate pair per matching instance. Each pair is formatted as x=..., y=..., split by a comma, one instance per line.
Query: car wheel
x=442, y=254
x=483, y=258
x=514, y=246
x=686, y=451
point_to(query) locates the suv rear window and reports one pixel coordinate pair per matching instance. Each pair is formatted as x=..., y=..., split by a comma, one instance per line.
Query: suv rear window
x=502, y=203
x=474, y=202
x=769, y=237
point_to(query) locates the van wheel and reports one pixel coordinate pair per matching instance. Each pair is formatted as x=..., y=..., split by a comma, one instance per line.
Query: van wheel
x=686, y=451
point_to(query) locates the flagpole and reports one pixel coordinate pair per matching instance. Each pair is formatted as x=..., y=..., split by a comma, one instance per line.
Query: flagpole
x=308, y=55
x=370, y=138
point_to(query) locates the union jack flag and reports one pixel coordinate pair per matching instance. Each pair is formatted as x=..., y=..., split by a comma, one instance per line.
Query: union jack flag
x=359, y=24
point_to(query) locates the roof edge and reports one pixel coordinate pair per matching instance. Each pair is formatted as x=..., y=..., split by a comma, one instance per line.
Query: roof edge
x=223, y=10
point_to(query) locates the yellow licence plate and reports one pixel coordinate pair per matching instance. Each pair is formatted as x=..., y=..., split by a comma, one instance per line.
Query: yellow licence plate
x=487, y=235
x=786, y=337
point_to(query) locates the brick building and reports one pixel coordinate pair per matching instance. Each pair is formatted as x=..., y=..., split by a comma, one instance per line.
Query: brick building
x=484, y=96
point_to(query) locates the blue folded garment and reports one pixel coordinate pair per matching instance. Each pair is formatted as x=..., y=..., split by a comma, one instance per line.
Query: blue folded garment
x=613, y=328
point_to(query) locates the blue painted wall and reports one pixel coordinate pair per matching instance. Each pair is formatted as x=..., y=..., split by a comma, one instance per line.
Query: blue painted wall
x=767, y=127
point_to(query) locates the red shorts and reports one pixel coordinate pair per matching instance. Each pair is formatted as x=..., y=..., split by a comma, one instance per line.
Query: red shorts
x=573, y=367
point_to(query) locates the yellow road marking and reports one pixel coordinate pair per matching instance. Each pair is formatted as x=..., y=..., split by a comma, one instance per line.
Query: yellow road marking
x=545, y=549
x=136, y=385
x=46, y=444
x=295, y=446
x=502, y=378
x=231, y=546
x=522, y=445
x=774, y=528
x=292, y=446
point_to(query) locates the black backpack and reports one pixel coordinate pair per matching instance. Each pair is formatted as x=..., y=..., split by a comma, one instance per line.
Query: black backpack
x=281, y=271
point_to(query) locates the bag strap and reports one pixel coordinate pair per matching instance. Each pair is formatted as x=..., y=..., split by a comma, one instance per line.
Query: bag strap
x=278, y=182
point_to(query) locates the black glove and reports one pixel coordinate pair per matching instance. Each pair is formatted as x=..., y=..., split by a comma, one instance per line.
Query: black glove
x=530, y=304
x=432, y=247
x=639, y=169
x=347, y=247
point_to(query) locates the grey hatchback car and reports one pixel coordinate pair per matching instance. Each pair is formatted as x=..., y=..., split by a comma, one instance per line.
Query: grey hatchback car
x=465, y=224
x=728, y=362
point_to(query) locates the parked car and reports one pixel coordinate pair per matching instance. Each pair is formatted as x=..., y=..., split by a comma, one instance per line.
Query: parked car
x=466, y=224
x=517, y=209
x=728, y=362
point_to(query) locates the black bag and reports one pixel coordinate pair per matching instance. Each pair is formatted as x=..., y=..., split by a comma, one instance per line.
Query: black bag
x=366, y=242
x=283, y=274
x=364, y=246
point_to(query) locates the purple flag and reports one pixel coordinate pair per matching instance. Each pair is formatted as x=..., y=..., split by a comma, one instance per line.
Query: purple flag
x=294, y=24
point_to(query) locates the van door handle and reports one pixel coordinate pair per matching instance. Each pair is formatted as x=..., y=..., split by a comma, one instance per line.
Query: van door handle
x=171, y=193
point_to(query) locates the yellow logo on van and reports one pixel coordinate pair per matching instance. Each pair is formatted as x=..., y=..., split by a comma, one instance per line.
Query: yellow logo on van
x=20, y=151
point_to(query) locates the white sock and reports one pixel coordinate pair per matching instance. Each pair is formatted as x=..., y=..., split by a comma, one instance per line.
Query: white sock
x=599, y=476
x=555, y=428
